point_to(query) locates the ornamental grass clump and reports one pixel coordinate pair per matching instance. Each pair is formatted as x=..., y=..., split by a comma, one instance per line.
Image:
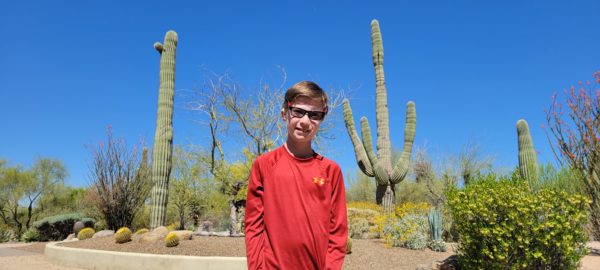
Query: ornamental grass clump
x=503, y=225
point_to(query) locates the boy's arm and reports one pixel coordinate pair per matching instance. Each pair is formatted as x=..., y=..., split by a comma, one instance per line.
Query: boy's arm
x=338, y=227
x=254, y=219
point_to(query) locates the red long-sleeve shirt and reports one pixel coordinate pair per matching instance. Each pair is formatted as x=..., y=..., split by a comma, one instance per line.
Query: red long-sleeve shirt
x=295, y=213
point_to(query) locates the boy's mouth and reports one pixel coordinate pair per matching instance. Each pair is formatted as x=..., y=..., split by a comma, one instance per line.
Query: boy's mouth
x=303, y=130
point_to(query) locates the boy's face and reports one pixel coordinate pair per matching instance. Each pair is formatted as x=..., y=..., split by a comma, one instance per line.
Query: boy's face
x=302, y=129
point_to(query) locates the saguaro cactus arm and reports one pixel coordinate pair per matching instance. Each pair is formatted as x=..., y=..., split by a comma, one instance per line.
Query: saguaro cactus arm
x=401, y=167
x=528, y=167
x=361, y=157
x=382, y=114
x=381, y=174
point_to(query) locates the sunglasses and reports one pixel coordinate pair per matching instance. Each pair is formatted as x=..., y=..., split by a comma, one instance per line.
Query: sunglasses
x=312, y=115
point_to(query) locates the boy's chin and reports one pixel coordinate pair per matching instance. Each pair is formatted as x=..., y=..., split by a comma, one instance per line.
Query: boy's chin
x=300, y=138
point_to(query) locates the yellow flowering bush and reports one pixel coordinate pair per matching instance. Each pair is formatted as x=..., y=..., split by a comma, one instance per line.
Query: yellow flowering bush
x=502, y=225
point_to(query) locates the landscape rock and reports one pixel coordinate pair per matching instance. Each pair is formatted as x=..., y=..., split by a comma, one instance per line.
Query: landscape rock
x=77, y=227
x=222, y=234
x=202, y=233
x=71, y=236
x=207, y=226
x=184, y=235
x=104, y=233
x=162, y=230
x=157, y=234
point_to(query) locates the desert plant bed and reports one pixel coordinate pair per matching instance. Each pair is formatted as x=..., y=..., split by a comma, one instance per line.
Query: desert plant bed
x=367, y=253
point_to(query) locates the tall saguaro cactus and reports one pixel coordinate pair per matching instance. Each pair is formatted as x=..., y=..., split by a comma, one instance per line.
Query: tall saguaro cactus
x=380, y=165
x=163, y=137
x=528, y=166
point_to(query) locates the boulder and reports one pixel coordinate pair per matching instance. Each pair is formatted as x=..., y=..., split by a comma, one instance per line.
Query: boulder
x=71, y=236
x=207, y=226
x=157, y=234
x=77, y=227
x=104, y=233
x=184, y=235
x=202, y=233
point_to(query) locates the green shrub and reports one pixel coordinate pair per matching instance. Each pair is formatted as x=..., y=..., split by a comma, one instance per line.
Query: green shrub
x=502, y=225
x=361, y=223
x=59, y=227
x=409, y=231
x=7, y=234
x=437, y=245
x=30, y=235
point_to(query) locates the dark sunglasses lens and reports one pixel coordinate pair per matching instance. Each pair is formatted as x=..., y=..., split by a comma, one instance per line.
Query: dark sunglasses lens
x=297, y=112
x=316, y=115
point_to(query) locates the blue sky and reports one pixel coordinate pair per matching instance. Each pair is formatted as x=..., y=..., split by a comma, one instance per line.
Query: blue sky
x=68, y=69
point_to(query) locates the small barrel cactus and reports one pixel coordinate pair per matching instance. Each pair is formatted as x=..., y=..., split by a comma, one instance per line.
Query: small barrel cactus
x=123, y=235
x=142, y=231
x=85, y=233
x=171, y=239
x=349, y=246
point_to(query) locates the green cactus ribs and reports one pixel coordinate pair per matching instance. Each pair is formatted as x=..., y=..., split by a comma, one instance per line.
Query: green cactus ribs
x=163, y=136
x=379, y=165
x=528, y=166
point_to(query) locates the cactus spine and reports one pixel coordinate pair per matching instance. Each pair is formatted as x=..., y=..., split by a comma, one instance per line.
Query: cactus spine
x=86, y=233
x=123, y=235
x=171, y=240
x=163, y=137
x=528, y=166
x=380, y=165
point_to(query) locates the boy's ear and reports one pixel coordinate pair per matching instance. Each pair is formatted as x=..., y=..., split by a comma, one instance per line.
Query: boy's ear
x=283, y=114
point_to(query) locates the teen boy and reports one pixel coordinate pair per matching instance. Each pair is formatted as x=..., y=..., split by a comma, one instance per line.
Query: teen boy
x=296, y=203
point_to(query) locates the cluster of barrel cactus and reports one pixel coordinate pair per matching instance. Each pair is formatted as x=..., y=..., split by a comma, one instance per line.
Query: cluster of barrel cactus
x=85, y=233
x=142, y=231
x=123, y=235
x=171, y=239
x=380, y=165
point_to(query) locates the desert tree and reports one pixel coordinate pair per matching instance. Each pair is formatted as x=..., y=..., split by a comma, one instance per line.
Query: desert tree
x=252, y=119
x=22, y=189
x=119, y=181
x=574, y=134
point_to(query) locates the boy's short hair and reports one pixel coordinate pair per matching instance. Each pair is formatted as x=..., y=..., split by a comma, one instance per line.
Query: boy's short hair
x=307, y=89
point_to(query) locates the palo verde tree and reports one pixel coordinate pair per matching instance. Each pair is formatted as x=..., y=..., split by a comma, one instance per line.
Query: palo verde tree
x=576, y=135
x=21, y=190
x=380, y=165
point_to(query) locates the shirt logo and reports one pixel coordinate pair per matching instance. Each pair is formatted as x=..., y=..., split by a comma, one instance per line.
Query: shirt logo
x=318, y=181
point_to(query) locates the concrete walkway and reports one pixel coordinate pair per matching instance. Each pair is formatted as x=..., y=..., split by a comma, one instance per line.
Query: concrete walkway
x=14, y=259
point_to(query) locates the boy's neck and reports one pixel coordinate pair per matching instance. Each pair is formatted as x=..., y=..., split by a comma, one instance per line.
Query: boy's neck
x=299, y=151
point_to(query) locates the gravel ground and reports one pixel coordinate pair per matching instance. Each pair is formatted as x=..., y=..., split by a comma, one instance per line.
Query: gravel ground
x=367, y=254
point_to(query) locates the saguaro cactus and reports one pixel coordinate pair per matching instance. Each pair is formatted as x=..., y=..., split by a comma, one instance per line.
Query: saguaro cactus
x=528, y=166
x=380, y=166
x=163, y=137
